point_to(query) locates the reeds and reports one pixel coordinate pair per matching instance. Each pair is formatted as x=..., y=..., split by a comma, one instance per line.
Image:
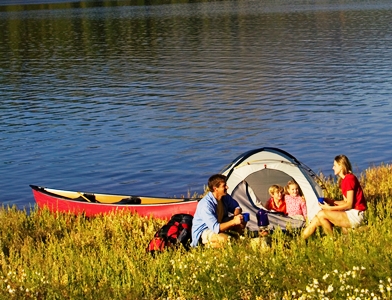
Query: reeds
x=48, y=256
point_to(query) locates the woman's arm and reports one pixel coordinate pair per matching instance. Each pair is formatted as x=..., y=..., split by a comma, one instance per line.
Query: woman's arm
x=345, y=204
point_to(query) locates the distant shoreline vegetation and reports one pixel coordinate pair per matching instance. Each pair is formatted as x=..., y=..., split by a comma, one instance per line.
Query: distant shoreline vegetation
x=44, y=255
x=66, y=4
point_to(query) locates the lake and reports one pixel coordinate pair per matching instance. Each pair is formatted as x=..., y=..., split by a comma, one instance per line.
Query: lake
x=153, y=97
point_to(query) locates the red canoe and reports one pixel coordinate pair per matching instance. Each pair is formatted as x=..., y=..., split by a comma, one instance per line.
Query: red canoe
x=92, y=204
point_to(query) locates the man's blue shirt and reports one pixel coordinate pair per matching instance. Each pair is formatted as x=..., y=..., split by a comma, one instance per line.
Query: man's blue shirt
x=206, y=215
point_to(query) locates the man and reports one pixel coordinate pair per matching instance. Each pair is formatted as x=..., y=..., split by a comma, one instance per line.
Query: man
x=211, y=217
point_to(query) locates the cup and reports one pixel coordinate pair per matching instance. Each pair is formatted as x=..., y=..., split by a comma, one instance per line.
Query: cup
x=246, y=217
x=321, y=200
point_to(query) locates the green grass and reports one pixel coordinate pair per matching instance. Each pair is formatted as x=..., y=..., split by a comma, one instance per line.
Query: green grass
x=47, y=256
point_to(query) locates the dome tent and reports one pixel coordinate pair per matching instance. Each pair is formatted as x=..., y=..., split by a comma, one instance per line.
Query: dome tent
x=251, y=174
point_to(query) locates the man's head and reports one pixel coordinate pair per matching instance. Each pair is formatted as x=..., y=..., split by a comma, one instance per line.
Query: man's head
x=217, y=185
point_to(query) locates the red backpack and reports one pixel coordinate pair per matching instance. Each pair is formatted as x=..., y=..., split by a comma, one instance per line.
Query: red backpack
x=175, y=233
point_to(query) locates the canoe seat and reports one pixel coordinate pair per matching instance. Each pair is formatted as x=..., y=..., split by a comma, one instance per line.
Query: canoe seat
x=86, y=197
x=130, y=200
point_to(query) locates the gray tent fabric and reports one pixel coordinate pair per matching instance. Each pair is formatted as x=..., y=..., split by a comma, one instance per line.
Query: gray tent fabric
x=241, y=195
x=283, y=222
x=260, y=182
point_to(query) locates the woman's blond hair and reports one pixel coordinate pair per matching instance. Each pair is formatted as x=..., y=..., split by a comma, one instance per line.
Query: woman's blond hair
x=344, y=163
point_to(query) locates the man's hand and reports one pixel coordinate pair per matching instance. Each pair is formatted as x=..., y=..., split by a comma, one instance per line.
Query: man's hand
x=238, y=219
x=235, y=221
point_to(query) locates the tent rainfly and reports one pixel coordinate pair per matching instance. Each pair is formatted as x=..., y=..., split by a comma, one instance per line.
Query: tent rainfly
x=251, y=174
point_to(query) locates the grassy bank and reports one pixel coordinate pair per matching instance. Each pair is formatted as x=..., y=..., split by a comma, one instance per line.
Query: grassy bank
x=43, y=256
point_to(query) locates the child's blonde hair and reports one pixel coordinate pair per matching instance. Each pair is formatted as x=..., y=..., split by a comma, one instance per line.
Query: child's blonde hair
x=275, y=188
x=293, y=182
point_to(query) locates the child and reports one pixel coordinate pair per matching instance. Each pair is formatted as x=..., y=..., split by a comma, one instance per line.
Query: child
x=276, y=202
x=295, y=202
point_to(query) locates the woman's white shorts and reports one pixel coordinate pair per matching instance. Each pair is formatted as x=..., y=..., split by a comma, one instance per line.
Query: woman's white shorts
x=356, y=217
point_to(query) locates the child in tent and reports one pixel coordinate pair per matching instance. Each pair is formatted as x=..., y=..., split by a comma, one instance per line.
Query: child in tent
x=275, y=203
x=295, y=202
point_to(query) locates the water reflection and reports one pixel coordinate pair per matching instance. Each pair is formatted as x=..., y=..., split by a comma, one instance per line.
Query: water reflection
x=153, y=99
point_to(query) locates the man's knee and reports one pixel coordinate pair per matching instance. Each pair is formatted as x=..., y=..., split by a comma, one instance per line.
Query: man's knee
x=209, y=237
x=218, y=240
x=222, y=237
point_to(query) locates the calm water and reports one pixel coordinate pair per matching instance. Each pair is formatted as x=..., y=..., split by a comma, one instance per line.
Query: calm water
x=152, y=100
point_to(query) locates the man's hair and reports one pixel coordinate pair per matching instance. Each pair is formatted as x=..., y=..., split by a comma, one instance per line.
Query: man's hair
x=275, y=188
x=344, y=163
x=215, y=181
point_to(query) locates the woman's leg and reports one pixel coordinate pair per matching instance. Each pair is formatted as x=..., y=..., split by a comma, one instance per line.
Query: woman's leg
x=311, y=228
x=325, y=223
x=327, y=218
x=337, y=218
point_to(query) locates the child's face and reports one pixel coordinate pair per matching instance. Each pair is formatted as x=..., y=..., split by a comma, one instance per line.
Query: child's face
x=293, y=190
x=277, y=195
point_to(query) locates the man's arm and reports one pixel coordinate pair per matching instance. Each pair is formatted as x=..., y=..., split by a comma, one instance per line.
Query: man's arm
x=237, y=220
x=238, y=211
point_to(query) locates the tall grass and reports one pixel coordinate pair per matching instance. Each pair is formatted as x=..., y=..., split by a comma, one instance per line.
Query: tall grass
x=48, y=256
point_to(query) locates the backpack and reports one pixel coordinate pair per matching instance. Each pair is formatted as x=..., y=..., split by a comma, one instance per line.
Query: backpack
x=175, y=233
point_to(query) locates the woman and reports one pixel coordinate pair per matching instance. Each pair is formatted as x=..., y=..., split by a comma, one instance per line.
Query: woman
x=347, y=213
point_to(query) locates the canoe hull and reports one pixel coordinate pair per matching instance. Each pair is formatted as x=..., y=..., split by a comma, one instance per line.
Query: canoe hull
x=60, y=204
